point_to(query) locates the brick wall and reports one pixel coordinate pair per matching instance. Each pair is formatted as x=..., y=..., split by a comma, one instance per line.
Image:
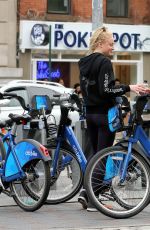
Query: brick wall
x=139, y=11
x=32, y=9
x=81, y=10
x=37, y=9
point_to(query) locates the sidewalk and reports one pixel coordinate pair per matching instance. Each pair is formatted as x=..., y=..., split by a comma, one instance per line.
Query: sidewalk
x=66, y=216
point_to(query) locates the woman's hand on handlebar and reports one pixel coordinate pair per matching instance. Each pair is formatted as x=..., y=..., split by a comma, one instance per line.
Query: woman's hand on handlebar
x=140, y=89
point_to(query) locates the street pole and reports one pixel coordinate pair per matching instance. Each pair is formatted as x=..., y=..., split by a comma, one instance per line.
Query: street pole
x=97, y=14
x=50, y=66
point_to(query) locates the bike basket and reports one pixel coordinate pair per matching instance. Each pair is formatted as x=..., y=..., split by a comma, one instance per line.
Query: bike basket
x=52, y=131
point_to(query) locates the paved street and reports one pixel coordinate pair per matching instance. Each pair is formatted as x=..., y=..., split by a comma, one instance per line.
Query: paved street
x=67, y=216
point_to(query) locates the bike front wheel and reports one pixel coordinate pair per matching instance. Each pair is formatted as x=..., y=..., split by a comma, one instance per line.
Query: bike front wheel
x=31, y=193
x=112, y=196
x=67, y=178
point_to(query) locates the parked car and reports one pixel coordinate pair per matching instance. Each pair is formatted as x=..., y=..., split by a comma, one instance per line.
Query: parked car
x=27, y=89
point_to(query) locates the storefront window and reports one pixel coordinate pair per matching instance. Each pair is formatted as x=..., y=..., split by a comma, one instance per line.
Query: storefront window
x=117, y=8
x=59, y=6
x=59, y=70
x=44, y=73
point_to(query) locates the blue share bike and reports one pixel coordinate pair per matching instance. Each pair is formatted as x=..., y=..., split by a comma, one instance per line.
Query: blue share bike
x=117, y=178
x=68, y=160
x=24, y=166
x=120, y=173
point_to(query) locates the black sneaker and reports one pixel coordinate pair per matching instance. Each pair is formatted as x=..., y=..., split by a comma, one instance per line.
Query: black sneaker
x=83, y=199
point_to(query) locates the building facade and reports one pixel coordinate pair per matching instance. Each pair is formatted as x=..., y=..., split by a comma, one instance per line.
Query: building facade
x=54, y=35
x=8, y=50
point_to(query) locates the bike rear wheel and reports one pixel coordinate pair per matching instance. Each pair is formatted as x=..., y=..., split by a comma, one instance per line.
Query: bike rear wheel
x=68, y=178
x=118, y=199
x=31, y=193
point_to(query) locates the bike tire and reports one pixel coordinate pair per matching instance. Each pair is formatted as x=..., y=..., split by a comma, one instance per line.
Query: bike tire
x=68, y=179
x=121, y=202
x=31, y=193
x=128, y=198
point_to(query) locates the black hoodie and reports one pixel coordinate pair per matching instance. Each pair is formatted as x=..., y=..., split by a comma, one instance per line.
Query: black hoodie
x=97, y=83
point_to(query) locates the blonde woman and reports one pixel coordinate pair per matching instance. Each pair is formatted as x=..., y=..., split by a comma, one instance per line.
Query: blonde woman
x=99, y=92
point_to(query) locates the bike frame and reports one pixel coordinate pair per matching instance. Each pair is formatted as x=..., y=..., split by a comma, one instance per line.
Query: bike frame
x=17, y=155
x=9, y=146
x=141, y=137
x=71, y=138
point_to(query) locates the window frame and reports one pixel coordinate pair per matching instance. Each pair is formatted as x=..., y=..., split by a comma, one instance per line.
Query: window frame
x=119, y=16
x=59, y=12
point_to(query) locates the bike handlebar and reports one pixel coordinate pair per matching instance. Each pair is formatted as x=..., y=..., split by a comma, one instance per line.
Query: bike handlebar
x=13, y=95
x=62, y=98
x=7, y=95
x=70, y=98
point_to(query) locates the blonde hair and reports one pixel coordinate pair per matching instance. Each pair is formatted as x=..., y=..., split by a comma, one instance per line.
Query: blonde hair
x=98, y=36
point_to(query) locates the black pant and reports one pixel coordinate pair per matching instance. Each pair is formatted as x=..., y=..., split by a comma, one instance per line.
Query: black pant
x=100, y=137
x=99, y=134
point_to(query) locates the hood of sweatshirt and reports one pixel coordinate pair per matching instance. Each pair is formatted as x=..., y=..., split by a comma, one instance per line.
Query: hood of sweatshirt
x=90, y=63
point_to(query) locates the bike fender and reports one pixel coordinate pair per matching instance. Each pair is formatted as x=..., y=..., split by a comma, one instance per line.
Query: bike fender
x=136, y=147
x=26, y=150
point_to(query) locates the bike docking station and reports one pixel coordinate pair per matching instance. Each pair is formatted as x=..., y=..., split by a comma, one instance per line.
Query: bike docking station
x=81, y=134
x=34, y=129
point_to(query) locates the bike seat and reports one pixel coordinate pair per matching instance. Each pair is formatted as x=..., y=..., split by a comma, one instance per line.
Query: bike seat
x=19, y=118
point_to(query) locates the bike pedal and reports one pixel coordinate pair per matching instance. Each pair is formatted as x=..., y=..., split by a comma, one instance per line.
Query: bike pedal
x=108, y=196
